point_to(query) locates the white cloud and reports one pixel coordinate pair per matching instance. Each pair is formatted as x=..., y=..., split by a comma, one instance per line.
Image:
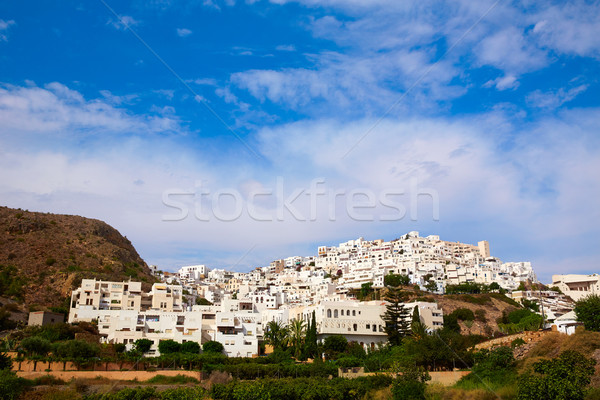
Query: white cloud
x=554, y=99
x=123, y=22
x=503, y=82
x=89, y=161
x=35, y=111
x=285, y=47
x=183, y=32
x=569, y=28
x=509, y=50
x=4, y=27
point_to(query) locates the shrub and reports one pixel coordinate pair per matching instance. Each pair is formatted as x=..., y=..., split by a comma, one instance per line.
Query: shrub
x=172, y=380
x=35, y=345
x=77, y=350
x=464, y=314
x=190, y=347
x=11, y=386
x=169, y=346
x=142, y=345
x=212, y=347
x=562, y=378
x=411, y=384
x=396, y=280
x=119, y=348
x=5, y=362
x=50, y=261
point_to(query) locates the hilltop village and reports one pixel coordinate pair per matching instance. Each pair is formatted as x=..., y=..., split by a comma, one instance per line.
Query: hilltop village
x=340, y=286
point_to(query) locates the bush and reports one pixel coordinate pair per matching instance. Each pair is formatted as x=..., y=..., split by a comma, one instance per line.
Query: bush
x=335, y=344
x=171, y=380
x=11, y=386
x=190, y=347
x=119, y=348
x=169, y=346
x=396, y=280
x=212, y=347
x=464, y=314
x=36, y=345
x=562, y=378
x=142, y=345
x=5, y=362
x=411, y=384
x=77, y=350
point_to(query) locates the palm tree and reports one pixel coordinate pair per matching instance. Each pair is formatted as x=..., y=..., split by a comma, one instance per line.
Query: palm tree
x=297, y=330
x=276, y=335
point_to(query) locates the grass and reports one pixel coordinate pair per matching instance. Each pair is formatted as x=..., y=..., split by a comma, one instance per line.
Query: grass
x=440, y=392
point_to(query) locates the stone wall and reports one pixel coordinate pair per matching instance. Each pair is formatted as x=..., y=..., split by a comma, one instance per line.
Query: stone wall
x=112, y=375
x=528, y=337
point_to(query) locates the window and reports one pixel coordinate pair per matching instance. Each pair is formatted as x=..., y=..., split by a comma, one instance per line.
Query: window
x=354, y=313
x=335, y=313
x=368, y=326
x=355, y=327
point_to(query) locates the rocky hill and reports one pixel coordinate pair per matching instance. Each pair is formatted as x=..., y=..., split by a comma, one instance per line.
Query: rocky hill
x=44, y=256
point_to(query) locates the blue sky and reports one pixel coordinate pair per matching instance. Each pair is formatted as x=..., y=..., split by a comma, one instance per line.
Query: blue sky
x=471, y=120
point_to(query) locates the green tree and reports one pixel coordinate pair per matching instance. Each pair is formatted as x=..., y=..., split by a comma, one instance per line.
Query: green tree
x=169, y=346
x=119, y=348
x=334, y=345
x=431, y=286
x=296, y=332
x=276, y=334
x=77, y=350
x=366, y=289
x=563, y=378
x=212, y=347
x=190, y=347
x=37, y=346
x=494, y=286
x=142, y=345
x=588, y=312
x=396, y=316
x=396, y=280
x=310, y=343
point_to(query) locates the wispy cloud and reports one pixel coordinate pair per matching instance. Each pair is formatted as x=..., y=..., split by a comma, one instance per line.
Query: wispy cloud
x=183, y=32
x=4, y=27
x=285, y=47
x=554, y=99
x=123, y=22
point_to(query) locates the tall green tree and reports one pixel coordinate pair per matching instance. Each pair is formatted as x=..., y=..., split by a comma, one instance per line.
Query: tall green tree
x=588, y=312
x=310, y=343
x=396, y=317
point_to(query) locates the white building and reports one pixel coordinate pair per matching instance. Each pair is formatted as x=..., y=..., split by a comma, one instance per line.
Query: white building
x=577, y=286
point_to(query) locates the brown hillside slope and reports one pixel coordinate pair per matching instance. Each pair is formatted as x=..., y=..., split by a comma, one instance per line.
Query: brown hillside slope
x=44, y=256
x=487, y=307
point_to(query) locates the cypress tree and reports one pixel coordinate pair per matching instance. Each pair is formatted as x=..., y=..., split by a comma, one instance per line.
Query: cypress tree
x=310, y=345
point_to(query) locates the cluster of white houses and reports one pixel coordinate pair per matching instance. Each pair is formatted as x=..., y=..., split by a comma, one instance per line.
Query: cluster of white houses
x=292, y=288
x=125, y=313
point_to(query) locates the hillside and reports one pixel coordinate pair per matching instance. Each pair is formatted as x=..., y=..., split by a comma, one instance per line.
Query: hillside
x=44, y=256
